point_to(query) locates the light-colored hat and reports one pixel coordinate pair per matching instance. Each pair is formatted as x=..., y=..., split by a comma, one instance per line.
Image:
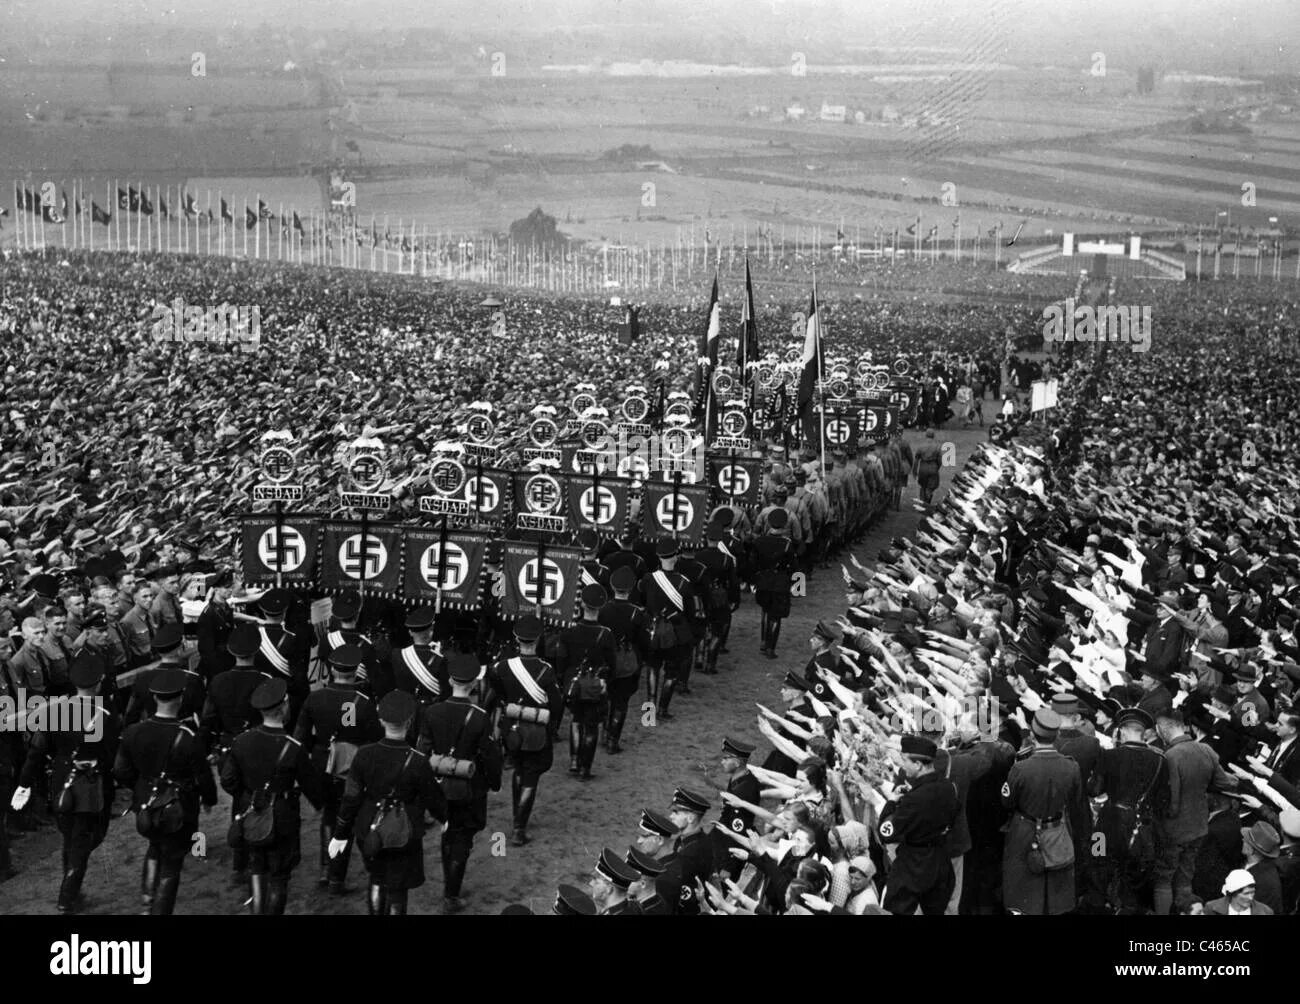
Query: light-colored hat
x=1237, y=880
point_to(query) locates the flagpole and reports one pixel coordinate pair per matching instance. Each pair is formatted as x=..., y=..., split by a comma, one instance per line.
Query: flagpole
x=817, y=349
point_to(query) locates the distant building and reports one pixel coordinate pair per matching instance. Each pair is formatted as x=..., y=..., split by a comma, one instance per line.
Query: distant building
x=795, y=112
x=889, y=114
x=833, y=113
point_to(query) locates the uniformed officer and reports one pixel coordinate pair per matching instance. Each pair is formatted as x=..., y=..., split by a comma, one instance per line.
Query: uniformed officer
x=167, y=641
x=745, y=786
x=1129, y=778
x=1071, y=740
x=373, y=676
x=824, y=645
x=585, y=660
x=79, y=755
x=1042, y=791
x=700, y=579
x=670, y=604
x=610, y=883
x=723, y=595
x=654, y=831
x=388, y=777
x=626, y=621
x=266, y=772
x=570, y=901
x=526, y=688
x=922, y=873
x=420, y=668
x=228, y=713
x=282, y=652
x=334, y=723
x=643, y=890
x=164, y=762
x=692, y=847
x=774, y=561
x=456, y=736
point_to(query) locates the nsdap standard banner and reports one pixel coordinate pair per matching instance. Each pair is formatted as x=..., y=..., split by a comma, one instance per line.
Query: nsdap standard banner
x=292, y=554
x=349, y=559
x=460, y=554
x=547, y=586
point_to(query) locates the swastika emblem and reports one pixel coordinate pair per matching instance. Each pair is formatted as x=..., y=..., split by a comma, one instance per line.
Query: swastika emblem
x=544, y=587
x=598, y=504
x=447, y=476
x=479, y=428
x=542, y=493
x=733, y=479
x=734, y=423
x=454, y=569
x=675, y=513
x=838, y=431
x=676, y=442
x=357, y=555
x=873, y=419
x=366, y=471
x=483, y=493
x=293, y=550
x=635, y=408
x=277, y=464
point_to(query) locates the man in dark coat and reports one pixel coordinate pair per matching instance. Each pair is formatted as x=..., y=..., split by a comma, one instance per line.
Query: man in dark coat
x=1043, y=791
x=919, y=822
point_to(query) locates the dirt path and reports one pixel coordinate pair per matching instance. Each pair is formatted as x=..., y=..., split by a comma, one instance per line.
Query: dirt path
x=572, y=820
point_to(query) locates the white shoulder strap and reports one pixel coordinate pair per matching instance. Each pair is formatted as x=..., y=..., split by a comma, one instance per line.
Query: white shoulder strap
x=413, y=662
x=526, y=681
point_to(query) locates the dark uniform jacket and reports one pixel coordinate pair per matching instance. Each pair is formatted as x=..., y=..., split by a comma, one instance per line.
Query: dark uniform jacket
x=227, y=711
x=507, y=689
x=919, y=823
x=321, y=720
x=383, y=769
x=460, y=729
x=1043, y=786
x=422, y=672
x=587, y=644
x=1132, y=777
x=695, y=854
x=659, y=604
x=1084, y=749
x=166, y=745
x=143, y=704
x=627, y=623
x=266, y=759
x=213, y=630
x=58, y=750
x=747, y=789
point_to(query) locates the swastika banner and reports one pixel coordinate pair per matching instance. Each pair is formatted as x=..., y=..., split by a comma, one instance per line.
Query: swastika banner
x=598, y=503
x=348, y=558
x=737, y=478
x=292, y=553
x=841, y=430
x=454, y=562
x=669, y=512
x=545, y=585
x=487, y=490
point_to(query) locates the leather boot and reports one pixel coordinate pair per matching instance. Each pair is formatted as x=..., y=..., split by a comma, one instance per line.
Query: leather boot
x=377, y=900
x=257, y=899
x=148, y=884
x=277, y=895
x=164, y=901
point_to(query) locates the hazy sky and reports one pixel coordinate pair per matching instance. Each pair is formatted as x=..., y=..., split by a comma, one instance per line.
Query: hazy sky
x=1175, y=32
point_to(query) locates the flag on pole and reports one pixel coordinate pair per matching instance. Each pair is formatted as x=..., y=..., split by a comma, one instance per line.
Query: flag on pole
x=98, y=215
x=707, y=360
x=811, y=375
x=250, y=218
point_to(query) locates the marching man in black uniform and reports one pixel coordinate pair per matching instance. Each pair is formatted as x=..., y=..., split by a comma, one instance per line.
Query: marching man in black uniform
x=420, y=668
x=282, y=652
x=166, y=645
x=670, y=604
x=585, y=660
x=228, y=713
x=80, y=783
x=530, y=699
x=390, y=788
x=627, y=622
x=922, y=873
x=610, y=884
x=724, y=592
x=774, y=562
x=266, y=772
x=372, y=676
x=164, y=762
x=692, y=849
x=742, y=785
x=334, y=723
x=456, y=736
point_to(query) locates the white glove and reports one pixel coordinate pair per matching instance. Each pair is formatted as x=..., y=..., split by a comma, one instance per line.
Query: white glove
x=21, y=795
x=336, y=847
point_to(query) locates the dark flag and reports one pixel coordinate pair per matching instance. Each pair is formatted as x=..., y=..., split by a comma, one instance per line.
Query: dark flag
x=812, y=372
x=777, y=420
x=292, y=554
x=146, y=206
x=546, y=585
x=125, y=201
x=747, y=352
x=679, y=511
x=250, y=218
x=911, y=228
x=839, y=235
x=162, y=207
x=707, y=359
x=934, y=232
x=297, y=223
x=448, y=573
x=226, y=214
x=264, y=211
x=31, y=202
x=187, y=205
x=98, y=215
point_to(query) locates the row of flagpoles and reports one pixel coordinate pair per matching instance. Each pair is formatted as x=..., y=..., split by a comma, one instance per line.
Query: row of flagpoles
x=170, y=219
